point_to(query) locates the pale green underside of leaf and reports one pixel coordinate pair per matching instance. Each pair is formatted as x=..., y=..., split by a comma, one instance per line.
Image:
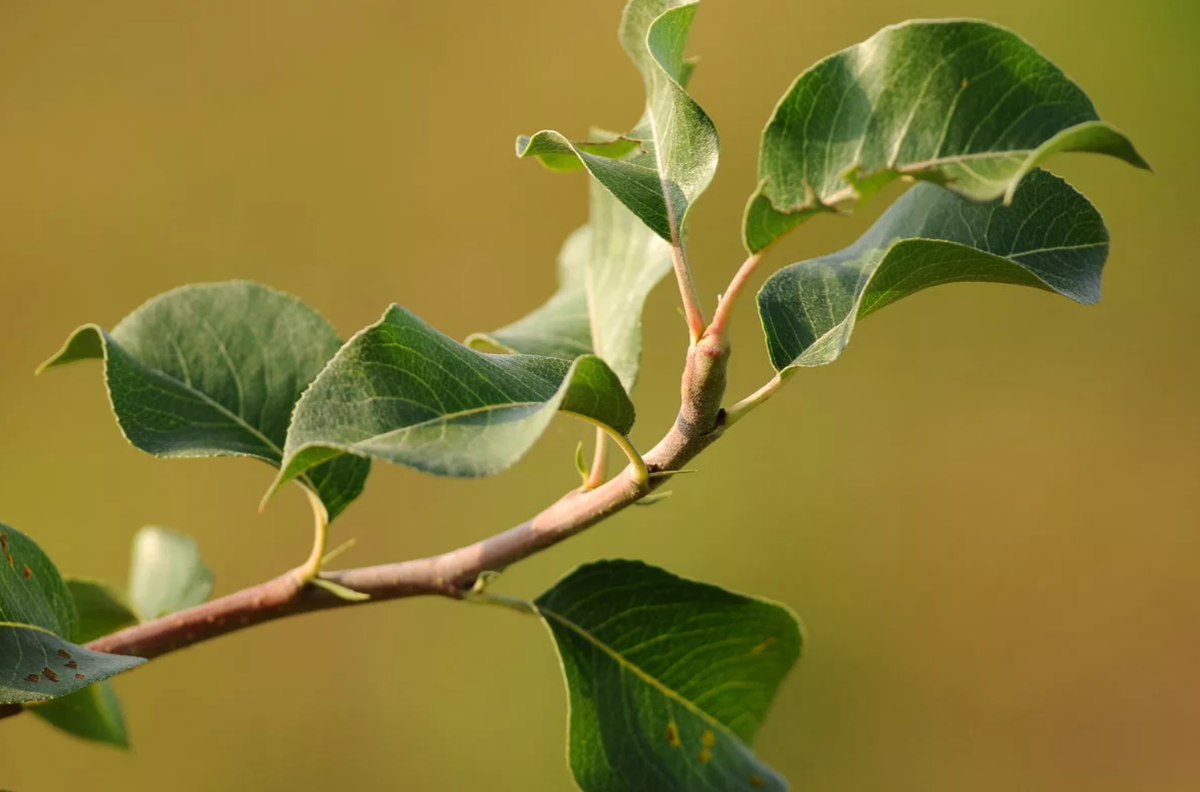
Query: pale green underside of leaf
x=668, y=679
x=606, y=271
x=36, y=612
x=961, y=103
x=1050, y=238
x=102, y=609
x=403, y=392
x=677, y=144
x=167, y=574
x=215, y=370
x=93, y=713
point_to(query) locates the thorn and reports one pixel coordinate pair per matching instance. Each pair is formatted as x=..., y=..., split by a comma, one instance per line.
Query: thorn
x=340, y=591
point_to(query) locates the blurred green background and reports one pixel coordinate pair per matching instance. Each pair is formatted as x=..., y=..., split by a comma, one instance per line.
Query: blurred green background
x=984, y=513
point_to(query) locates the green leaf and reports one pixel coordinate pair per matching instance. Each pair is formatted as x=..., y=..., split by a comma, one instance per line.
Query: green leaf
x=961, y=103
x=403, y=392
x=167, y=573
x=606, y=271
x=37, y=662
x=1050, y=238
x=669, y=679
x=93, y=713
x=102, y=609
x=677, y=156
x=215, y=370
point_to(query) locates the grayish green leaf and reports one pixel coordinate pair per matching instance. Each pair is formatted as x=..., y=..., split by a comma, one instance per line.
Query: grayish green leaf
x=93, y=713
x=962, y=103
x=102, y=609
x=403, y=392
x=669, y=679
x=215, y=370
x=606, y=271
x=677, y=156
x=167, y=574
x=1051, y=238
x=37, y=662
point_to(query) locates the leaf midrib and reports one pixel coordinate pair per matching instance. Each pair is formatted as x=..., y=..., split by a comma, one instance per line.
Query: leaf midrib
x=639, y=673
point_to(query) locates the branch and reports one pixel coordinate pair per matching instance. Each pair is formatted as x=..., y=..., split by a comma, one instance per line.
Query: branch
x=453, y=574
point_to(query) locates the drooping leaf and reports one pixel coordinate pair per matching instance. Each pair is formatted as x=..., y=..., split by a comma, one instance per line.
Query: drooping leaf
x=403, y=392
x=606, y=271
x=102, y=609
x=676, y=158
x=93, y=713
x=215, y=370
x=167, y=573
x=1050, y=238
x=962, y=103
x=37, y=615
x=669, y=679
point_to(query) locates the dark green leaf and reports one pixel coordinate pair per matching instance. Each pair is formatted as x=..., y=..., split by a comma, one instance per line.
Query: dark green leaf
x=962, y=103
x=215, y=370
x=102, y=609
x=167, y=573
x=669, y=679
x=676, y=155
x=37, y=662
x=93, y=713
x=1050, y=238
x=403, y=392
x=606, y=271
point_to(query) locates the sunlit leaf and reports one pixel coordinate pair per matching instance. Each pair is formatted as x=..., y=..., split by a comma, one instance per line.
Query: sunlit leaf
x=669, y=679
x=677, y=146
x=403, y=392
x=167, y=573
x=606, y=271
x=215, y=370
x=1050, y=238
x=37, y=615
x=962, y=103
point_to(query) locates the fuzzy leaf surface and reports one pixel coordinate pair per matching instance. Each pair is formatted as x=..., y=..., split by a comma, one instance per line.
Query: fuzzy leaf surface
x=962, y=103
x=1050, y=238
x=676, y=143
x=606, y=271
x=668, y=679
x=167, y=573
x=403, y=392
x=215, y=370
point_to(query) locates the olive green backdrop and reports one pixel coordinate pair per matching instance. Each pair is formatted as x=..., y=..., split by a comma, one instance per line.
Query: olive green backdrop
x=985, y=513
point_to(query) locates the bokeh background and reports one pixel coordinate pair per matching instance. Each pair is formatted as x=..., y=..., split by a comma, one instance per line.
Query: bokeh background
x=985, y=513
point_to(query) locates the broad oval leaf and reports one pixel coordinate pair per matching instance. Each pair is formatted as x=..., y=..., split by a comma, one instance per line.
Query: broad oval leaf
x=215, y=370
x=606, y=271
x=167, y=574
x=93, y=713
x=102, y=609
x=403, y=392
x=668, y=678
x=660, y=168
x=1050, y=238
x=37, y=616
x=962, y=103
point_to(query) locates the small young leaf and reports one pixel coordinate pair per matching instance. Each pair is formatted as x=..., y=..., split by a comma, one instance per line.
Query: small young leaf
x=93, y=713
x=37, y=661
x=102, y=609
x=1051, y=238
x=669, y=679
x=403, y=392
x=215, y=370
x=962, y=103
x=677, y=157
x=167, y=574
x=606, y=271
